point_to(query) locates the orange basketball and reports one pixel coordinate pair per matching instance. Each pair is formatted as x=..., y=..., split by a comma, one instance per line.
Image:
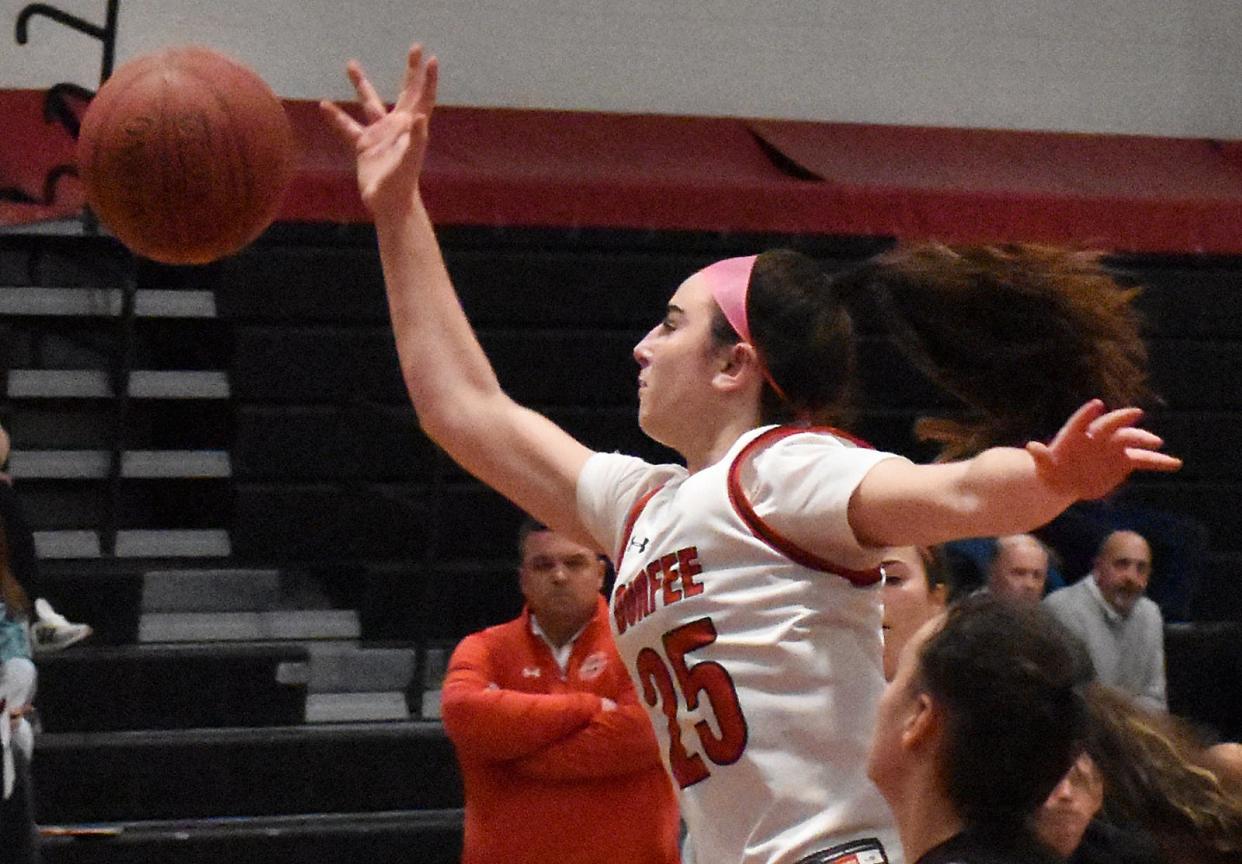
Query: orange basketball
x=185, y=155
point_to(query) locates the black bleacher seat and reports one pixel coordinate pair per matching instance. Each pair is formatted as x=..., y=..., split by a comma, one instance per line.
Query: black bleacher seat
x=1188, y=298
x=1197, y=375
x=1204, y=663
x=320, y=521
x=404, y=603
x=109, y=600
x=307, y=443
x=200, y=773
x=308, y=284
x=169, y=687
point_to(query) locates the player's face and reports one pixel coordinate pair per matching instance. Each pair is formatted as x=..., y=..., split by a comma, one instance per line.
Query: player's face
x=888, y=761
x=560, y=579
x=909, y=602
x=1122, y=570
x=1061, y=821
x=677, y=360
x=1019, y=573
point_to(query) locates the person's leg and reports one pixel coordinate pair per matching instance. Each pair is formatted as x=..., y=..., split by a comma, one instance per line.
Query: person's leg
x=19, y=835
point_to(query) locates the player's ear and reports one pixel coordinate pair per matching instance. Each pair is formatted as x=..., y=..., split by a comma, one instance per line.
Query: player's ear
x=922, y=724
x=739, y=367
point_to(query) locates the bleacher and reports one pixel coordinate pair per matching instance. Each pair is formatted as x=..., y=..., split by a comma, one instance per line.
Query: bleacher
x=273, y=601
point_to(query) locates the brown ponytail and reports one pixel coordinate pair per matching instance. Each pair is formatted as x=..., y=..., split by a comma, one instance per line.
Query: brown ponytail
x=1021, y=335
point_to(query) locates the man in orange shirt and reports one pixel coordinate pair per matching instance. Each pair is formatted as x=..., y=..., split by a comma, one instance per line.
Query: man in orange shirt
x=558, y=758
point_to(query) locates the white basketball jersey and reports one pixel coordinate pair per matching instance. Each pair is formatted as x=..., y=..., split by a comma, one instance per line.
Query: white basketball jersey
x=761, y=674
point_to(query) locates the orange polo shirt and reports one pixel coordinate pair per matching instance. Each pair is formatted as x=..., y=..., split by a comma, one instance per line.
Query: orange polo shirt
x=550, y=776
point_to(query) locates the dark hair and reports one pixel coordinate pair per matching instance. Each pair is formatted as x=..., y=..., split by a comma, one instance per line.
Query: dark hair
x=804, y=335
x=1015, y=721
x=530, y=525
x=1020, y=334
x=936, y=565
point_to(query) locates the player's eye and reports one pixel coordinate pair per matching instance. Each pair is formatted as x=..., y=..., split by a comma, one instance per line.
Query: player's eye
x=893, y=572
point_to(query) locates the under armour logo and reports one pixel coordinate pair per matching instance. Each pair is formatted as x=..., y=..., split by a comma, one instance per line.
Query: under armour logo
x=532, y=672
x=640, y=545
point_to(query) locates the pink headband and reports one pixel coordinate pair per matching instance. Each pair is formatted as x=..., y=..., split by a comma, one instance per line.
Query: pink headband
x=728, y=281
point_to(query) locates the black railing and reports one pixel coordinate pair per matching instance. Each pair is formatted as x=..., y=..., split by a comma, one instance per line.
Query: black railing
x=59, y=109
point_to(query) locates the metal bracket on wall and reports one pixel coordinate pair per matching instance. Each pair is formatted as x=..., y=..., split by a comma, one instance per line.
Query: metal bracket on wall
x=57, y=106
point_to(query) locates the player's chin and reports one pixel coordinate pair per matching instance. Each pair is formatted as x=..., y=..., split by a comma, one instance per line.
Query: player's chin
x=648, y=421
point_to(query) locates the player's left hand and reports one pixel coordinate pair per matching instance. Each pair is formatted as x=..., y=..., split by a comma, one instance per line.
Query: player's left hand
x=1096, y=450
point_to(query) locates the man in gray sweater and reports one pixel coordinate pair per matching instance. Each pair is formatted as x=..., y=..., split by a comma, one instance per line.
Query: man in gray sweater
x=1123, y=630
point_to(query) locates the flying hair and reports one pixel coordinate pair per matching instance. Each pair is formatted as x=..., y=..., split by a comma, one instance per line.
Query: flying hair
x=1020, y=334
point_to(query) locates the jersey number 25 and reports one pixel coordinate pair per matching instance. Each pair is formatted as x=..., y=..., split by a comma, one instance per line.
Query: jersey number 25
x=707, y=678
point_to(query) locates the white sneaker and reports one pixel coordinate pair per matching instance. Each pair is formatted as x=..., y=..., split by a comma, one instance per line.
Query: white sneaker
x=54, y=631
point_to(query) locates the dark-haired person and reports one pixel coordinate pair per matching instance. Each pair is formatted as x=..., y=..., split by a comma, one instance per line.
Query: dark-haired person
x=547, y=728
x=747, y=599
x=981, y=722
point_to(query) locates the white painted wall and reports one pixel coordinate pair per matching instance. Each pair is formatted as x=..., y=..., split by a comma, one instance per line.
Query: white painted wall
x=1165, y=67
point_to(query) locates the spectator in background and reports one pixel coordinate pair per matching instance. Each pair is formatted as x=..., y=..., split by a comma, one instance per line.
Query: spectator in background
x=1122, y=629
x=1067, y=822
x=18, y=833
x=49, y=630
x=558, y=757
x=1019, y=568
x=1063, y=819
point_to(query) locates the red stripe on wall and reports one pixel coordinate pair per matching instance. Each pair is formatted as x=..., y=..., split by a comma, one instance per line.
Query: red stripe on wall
x=563, y=169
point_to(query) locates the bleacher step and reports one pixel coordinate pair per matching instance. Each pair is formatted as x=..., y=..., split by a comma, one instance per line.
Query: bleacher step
x=173, y=544
x=136, y=543
x=355, y=707
x=95, y=384
x=346, y=668
x=67, y=544
x=249, y=626
x=137, y=464
x=211, y=590
x=105, y=302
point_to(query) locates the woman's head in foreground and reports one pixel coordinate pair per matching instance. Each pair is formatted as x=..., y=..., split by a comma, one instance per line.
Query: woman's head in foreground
x=985, y=707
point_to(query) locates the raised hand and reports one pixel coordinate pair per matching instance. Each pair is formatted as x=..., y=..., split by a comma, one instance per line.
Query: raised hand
x=1096, y=450
x=389, y=145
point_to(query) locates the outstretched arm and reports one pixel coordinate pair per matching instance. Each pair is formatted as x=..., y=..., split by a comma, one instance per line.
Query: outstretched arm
x=1004, y=490
x=454, y=390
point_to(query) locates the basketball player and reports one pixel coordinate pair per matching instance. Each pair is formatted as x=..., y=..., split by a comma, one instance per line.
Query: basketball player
x=747, y=602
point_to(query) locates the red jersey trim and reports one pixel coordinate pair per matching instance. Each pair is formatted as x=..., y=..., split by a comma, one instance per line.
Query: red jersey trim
x=635, y=512
x=768, y=534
